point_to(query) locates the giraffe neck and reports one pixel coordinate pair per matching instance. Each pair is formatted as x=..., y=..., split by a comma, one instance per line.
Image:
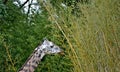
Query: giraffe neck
x=33, y=61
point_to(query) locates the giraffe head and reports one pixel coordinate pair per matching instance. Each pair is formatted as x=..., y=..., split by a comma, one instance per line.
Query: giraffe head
x=50, y=48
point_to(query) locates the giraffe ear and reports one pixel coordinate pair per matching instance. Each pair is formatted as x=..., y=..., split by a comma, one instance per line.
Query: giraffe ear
x=45, y=39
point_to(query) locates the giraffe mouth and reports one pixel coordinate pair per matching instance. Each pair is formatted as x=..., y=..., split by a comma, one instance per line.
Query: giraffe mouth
x=61, y=53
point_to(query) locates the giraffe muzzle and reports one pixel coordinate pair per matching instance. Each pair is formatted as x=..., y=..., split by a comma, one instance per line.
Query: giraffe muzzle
x=62, y=53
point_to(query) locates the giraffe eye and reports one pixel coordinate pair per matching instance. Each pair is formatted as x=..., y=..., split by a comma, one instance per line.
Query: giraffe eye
x=52, y=46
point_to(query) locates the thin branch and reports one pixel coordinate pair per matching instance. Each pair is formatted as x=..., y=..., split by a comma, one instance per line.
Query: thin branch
x=29, y=6
x=9, y=56
x=24, y=4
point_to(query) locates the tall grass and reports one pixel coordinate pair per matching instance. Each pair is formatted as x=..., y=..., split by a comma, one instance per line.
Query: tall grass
x=91, y=40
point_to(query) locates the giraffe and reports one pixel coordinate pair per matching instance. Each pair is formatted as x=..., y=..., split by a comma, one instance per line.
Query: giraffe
x=47, y=47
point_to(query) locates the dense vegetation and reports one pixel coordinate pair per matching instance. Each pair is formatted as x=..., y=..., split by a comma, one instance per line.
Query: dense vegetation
x=87, y=30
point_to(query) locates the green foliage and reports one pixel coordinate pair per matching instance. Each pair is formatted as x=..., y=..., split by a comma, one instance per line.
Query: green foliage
x=19, y=38
x=2, y=10
x=88, y=32
x=92, y=38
